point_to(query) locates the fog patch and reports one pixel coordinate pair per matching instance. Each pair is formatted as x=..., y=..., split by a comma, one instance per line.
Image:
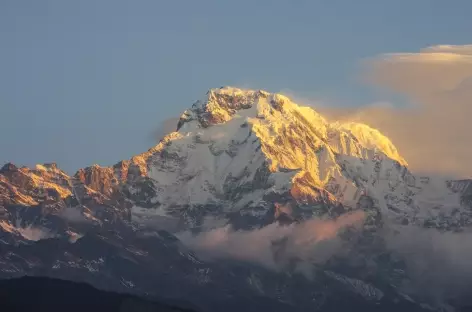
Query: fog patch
x=165, y=127
x=438, y=263
x=33, y=233
x=73, y=214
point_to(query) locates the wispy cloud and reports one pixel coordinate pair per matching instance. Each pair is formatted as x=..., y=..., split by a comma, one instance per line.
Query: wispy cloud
x=165, y=127
x=35, y=233
x=433, y=132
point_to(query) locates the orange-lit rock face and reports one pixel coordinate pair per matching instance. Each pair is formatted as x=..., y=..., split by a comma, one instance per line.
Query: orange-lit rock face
x=304, y=190
x=98, y=178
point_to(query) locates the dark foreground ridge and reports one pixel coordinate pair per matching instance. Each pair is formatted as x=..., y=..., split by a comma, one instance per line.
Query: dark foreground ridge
x=47, y=294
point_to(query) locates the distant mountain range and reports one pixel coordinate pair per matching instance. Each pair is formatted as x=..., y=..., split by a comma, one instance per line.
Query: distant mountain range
x=239, y=161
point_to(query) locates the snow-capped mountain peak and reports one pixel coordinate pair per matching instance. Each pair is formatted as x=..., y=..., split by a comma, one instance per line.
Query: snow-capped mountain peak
x=237, y=153
x=270, y=113
x=237, y=148
x=241, y=159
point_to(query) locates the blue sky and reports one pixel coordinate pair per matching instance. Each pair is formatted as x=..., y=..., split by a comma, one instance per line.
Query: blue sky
x=85, y=82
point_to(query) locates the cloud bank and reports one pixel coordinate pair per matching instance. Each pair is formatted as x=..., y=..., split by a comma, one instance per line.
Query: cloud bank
x=434, y=132
x=273, y=246
x=437, y=263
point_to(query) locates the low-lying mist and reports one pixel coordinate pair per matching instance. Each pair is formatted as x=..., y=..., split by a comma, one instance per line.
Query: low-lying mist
x=313, y=241
x=437, y=263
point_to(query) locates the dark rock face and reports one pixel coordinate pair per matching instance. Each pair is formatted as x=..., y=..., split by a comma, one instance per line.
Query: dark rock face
x=102, y=247
x=166, y=272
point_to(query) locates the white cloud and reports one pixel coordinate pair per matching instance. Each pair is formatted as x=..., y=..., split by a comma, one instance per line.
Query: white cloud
x=35, y=233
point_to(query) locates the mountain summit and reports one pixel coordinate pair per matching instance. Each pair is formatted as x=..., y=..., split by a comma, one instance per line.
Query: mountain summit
x=239, y=158
x=234, y=154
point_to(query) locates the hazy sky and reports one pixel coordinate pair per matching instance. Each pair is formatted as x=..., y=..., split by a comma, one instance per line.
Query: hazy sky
x=88, y=81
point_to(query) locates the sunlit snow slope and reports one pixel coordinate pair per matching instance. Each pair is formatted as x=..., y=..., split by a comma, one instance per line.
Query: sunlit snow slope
x=237, y=150
x=245, y=158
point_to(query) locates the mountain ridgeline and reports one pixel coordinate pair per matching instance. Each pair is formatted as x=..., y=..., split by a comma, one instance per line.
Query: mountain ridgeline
x=320, y=203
